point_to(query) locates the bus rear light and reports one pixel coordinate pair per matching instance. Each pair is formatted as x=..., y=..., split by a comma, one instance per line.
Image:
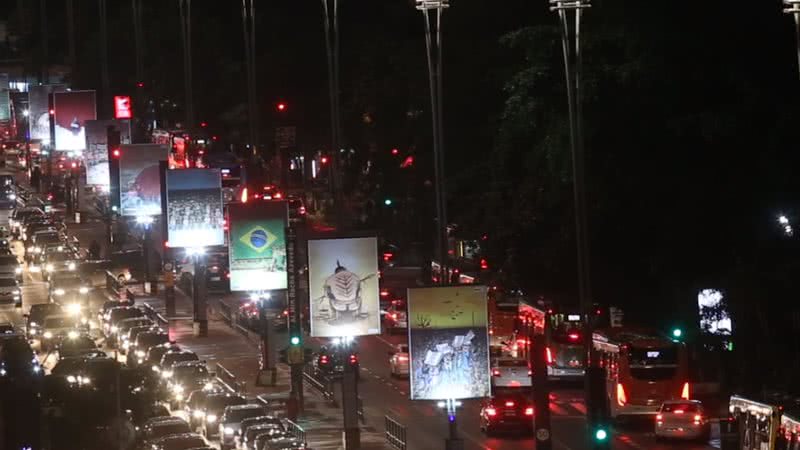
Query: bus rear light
x=697, y=419
x=491, y=411
x=622, y=398
x=509, y=404
x=574, y=336
x=496, y=372
x=685, y=391
x=529, y=411
x=549, y=356
x=659, y=417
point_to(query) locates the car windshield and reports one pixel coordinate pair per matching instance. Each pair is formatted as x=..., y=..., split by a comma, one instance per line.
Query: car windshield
x=56, y=322
x=219, y=402
x=67, y=283
x=675, y=407
x=172, y=358
x=7, y=282
x=127, y=324
x=193, y=371
x=42, y=238
x=125, y=313
x=17, y=352
x=146, y=340
x=237, y=415
x=165, y=429
x=81, y=342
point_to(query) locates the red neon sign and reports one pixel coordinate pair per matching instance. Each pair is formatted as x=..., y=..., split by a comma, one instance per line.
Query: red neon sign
x=122, y=107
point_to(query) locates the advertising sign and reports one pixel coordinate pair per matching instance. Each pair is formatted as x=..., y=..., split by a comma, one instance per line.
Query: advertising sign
x=448, y=343
x=122, y=107
x=194, y=208
x=5, y=98
x=257, y=246
x=96, y=155
x=343, y=286
x=714, y=317
x=72, y=110
x=139, y=179
x=39, y=110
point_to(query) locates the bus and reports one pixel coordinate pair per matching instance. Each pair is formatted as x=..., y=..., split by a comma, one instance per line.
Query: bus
x=643, y=369
x=503, y=307
x=564, y=339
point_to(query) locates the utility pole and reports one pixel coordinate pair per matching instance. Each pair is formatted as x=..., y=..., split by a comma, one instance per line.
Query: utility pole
x=432, y=11
x=105, y=98
x=71, y=36
x=199, y=293
x=138, y=37
x=537, y=351
x=45, y=73
x=331, y=11
x=249, y=33
x=186, y=37
x=352, y=431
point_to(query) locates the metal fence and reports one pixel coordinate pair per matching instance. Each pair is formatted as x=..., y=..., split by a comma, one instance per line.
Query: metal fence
x=228, y=379
x=322, y=384
x=296, y=431
x=395, y=433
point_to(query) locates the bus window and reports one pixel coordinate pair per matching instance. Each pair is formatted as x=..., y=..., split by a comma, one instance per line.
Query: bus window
x=653, y=364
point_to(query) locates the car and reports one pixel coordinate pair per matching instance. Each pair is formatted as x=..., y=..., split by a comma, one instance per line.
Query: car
x=129, y=337
x=18, y=363
x=398, y=361
x=40, y=239
x=262, y=439
x=36, y=315
x=115, y=315
x=7, y=328
x=75, y=345
x=297, y=209
x=68, y=288
x=158, y=429
x=683, y=419
x=187, y=376
x=10, y=292
x=20, y=214
x=55, y=328
x=510, y=412
x=396, y=317
x=331, y=363
x=244, y=440
x=285, y=443
x=10, y=267
x=195, y=404
x=55, y=262
x=124, y=326
x=185, y=441
x=231, y=421
x=511, y=372
x=172, y=357
x=247, y=438
x=154, y=354
x=213, y=407
x=144, y=341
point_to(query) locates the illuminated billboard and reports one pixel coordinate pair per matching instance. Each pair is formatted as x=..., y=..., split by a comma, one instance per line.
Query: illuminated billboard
x=122, y=107
x=5, y=98
x=257, y=246
x=96, y=154
x=39, y=110
x=343, y=287
x=714, y=316
x=71, y=112
x=448, y=343
x=139, y=179
x=194, y=208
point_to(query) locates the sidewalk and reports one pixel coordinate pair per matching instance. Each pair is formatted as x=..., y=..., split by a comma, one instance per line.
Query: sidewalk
x=239, y=354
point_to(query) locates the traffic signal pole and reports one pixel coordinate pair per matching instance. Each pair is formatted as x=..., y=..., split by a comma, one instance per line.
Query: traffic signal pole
x=295, y=324
x=351, y=435
x=541, y=387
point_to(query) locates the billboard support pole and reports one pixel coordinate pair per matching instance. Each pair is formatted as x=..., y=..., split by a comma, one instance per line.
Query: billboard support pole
x=352, y=432
x=199, y=296
x=541, y=389
x=295, y=324
x=453, y=442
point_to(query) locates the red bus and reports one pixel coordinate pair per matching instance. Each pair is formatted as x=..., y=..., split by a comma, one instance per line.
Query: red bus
x=503, y=309
x=643, y=369
x=564, y=339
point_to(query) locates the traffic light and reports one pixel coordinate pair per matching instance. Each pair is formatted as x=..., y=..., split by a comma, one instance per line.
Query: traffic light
x=395, y=151
x=295, y=340
x=116, y=153
x=597, y=413
x=353, y=360
x=677, y=333
x=324, y=160
x=281, y=106
x=388, y=202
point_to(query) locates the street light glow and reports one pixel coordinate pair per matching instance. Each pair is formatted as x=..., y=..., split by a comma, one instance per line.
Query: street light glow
x=195, y=251
x=783, y=220
x=26, y=112
x=144, y=220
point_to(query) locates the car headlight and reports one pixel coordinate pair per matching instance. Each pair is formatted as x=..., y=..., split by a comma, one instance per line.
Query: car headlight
x=59, y=292
x=48, y=267
x=179, y=396
x=140, y=353
x=177, y=388
x=74, y=308
x=126, y=345
x=166, y=374
x=33, y=332
x=30, y=249
x=16, y=292
x=211, y=418
x=71, y=379
x=208, y=386
x=37, y=368
x=37, y=250
x=83, y=290
x=114, y=328
x=73, y=335
x=48, y=335
x=198, y=414
x=18, y=270
x=71, y=266
x=228, y=431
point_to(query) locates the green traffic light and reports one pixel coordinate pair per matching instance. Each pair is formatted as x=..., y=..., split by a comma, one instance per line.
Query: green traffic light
x=677, y=332
x=295, y=340
x=387, y=202
x=601, y=434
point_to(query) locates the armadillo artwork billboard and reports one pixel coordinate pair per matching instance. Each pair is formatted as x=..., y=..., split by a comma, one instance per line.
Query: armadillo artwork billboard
x=343, y=287
x=72, y=110
x=39, y=110
x=257, y=246
x=448, y=343
x=140, y=180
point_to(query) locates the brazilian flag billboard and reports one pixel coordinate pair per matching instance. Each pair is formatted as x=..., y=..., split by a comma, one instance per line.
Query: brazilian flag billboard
x=258, y=246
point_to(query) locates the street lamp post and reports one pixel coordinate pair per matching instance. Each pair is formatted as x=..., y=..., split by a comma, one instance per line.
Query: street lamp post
x=331, y=10
x=432, y=11
x=793, y=7
x=186, y=35
x=146, y=222
x=249, y=33
x=200, y=317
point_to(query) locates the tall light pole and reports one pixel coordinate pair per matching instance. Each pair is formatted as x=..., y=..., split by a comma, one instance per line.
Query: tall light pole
x=249, y=33
x=597, y=414
x=186, y=37
x=105, y=98
x=432, y=11
x=331, y=10
x=138, y=39
x=793, y=7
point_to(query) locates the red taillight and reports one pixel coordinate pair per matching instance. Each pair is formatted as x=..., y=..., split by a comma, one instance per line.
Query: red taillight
x=496, y=372
x=353, y=359
x=278, y=195
x=402, y=358
x=323, y=359
x=387, y=256
x=529, y=411
x=285, y=312
x=244, y=195
x=302, y=210
x=491, y=411
x=574, y=336
x=228, y=275
x=394, y=316
x=509, y=404
x=678, y=411
x=530, y=372
x=659, y=417
x=549, y=355
x=697, y=418
x=685, y=391
x=484, y=264
x=622, y=398
x=384, y=293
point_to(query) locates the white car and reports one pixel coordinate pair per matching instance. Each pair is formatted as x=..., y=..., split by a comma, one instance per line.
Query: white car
x=398, y=361
x=683, y=419
x=9, y=291
x=511, y=372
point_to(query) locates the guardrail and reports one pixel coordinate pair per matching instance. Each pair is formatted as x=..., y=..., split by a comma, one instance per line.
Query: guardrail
x=395, y=433
x=113, y=285
x=324, y=385
x=228, y=379
x=297, y=431
x=150, y=312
